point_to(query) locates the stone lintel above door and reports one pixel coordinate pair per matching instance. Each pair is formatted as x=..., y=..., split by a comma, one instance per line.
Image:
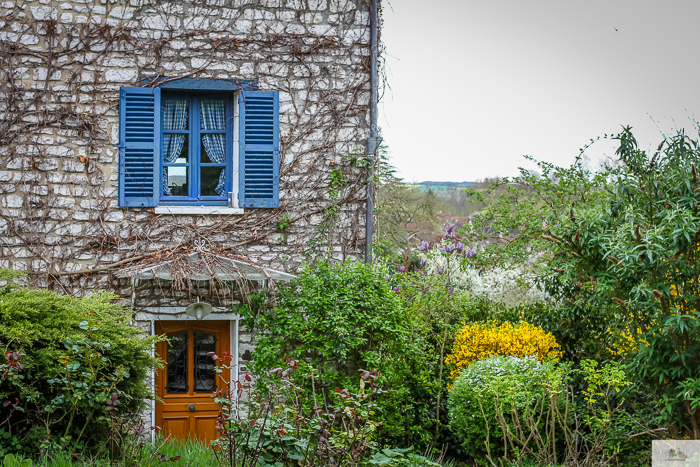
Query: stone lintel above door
x=172, y=313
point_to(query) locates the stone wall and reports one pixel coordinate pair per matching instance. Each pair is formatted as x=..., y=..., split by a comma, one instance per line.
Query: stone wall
x=62, y=65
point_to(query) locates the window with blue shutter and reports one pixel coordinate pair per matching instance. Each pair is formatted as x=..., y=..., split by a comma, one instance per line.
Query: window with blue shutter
x=259, y=149
x=177, y=148
x=139, y=146
x=197, y=148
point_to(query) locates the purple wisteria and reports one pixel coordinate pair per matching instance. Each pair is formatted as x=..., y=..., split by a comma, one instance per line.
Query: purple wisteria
x=450, y=243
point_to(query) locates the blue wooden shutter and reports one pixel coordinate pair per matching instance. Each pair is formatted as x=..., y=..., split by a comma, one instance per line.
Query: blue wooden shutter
x=258, y=113
x=139, y=146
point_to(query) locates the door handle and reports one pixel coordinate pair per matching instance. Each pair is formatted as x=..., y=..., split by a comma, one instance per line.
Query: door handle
x=191, y=407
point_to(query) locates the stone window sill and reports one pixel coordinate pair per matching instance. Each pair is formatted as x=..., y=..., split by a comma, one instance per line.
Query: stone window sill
x=206, y=210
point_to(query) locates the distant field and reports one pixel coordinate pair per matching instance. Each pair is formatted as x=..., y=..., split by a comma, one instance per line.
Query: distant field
x=442, y=186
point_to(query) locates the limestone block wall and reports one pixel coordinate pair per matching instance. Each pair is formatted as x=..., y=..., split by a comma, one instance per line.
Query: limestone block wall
x=62, y=64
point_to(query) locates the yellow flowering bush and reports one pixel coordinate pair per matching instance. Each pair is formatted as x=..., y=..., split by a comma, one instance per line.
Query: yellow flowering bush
x=477, y=341
x=625, y=342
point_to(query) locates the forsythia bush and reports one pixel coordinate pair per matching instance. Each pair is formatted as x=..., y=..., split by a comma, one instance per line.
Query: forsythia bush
x=477, y=341
x=625, y=342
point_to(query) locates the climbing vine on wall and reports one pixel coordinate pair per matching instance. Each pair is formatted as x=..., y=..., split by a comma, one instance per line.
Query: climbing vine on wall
x=62, y=65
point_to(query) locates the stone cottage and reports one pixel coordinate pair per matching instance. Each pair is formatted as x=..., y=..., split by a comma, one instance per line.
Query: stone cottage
x=183, y=153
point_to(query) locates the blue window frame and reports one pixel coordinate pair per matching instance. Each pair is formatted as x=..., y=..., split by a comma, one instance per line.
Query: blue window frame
x=196, y=148
x=185, y=134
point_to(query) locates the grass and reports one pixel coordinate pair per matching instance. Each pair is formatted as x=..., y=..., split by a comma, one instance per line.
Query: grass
x=192, y=453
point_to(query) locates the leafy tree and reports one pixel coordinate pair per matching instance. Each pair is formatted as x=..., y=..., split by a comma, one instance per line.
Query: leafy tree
x=513, y=230
x=405, y=214
x=619, y=251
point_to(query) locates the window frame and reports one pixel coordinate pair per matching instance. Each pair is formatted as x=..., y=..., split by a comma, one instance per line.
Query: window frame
x=140, y=153
x=194, y=148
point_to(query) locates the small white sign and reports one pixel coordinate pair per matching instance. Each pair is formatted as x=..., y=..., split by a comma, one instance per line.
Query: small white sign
x=675, y=453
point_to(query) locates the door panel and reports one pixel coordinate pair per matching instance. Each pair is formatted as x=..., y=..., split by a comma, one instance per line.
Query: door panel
x=189, y=380
x=205, y=427
x=176, y=427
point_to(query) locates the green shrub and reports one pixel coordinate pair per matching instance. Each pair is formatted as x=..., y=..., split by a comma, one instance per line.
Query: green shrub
x=472, y=404
x=337, y=317
x=436, y=308
x=11, y=461
x=400, y=458
x=274, y=426
x=75, y=353
x=617, y=251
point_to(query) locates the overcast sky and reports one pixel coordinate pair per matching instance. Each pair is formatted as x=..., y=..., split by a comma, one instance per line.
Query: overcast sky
x=474, y=85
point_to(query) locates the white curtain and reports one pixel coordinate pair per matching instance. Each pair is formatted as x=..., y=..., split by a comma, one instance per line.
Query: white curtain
x=174, y=118
x=213, y=118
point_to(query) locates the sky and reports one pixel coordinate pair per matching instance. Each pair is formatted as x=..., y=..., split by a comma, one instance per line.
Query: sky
x=472, y=86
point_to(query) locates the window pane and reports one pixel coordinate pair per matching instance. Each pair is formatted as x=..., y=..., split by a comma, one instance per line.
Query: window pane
x=177, y=364
x=213, y=182
x=212, y=115
x=176, y=181
x=203, y=157
x=212, y=149
x=204, y=366
x=175, y=115
x=176, y=149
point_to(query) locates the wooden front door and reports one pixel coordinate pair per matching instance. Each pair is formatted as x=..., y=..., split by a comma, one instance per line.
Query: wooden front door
x=188, y=381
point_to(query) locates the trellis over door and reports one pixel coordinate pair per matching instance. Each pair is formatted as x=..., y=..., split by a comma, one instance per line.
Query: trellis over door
x=188, y=381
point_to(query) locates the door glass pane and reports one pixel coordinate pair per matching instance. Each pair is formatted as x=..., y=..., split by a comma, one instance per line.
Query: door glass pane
x=213, y=181
x=177, y=364
x=204, y=365
x=176, y=180
x=175, y=114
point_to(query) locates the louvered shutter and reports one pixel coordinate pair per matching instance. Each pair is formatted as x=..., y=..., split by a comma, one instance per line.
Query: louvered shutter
x=139, y=146
x=259, y=149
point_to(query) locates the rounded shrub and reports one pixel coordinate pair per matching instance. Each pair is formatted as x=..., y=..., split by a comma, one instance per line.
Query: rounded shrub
x=71, y=364
x=514, y=383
